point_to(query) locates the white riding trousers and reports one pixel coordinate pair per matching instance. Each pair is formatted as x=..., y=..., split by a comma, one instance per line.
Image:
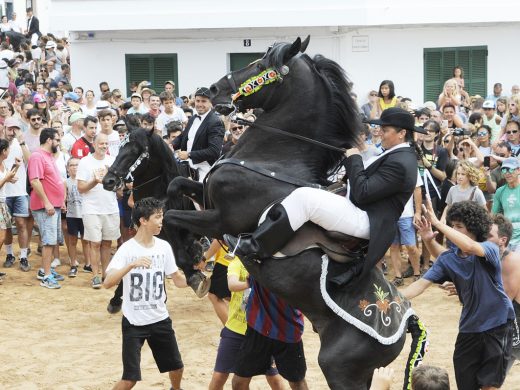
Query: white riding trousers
x=332, y=212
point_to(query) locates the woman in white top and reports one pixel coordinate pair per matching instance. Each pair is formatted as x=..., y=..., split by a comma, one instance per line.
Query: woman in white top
x=5, y=26
x=90, y=106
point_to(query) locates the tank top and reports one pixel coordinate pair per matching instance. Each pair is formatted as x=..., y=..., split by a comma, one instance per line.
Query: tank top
x=2, y=176
x=73, y=199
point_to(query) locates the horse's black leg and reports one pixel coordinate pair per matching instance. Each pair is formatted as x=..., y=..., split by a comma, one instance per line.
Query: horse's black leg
x=352, y=370
x=182, y=187
x=179, y=226
x=116, y=301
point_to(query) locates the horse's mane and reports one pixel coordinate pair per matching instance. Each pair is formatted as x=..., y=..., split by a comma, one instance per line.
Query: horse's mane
x=157, y=145
x=342, y=124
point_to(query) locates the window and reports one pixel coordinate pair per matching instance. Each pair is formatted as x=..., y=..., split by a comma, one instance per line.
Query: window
x=439, y=64
x=156, y=68
x=241, y=60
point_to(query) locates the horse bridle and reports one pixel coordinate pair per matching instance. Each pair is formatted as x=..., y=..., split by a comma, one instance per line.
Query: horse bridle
x=133, y=167
x=254, y=84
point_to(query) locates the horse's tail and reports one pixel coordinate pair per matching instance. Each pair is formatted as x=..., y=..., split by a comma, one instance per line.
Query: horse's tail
x=418, y=348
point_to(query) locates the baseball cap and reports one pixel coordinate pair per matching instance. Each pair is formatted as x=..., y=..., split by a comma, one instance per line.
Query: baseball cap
x=50, y=45
x=12, y=122
x=399, y=118
x=76, y=117
x=39, y=98
x=203, y=91
x=488, y=104
x=71, y=96
x=510, y=162
x=102, y=105
x=135, y=94
x=169, y=82
x=3, y=64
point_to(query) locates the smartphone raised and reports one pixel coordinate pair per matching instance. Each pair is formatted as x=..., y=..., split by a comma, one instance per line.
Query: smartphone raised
x=487, y=161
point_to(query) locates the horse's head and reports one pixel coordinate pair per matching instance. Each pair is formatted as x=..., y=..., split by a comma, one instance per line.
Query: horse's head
x=246, y=86
x=132, y=159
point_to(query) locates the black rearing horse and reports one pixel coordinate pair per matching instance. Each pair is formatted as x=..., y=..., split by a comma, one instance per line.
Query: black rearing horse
x=152, y=165
x=307, y=97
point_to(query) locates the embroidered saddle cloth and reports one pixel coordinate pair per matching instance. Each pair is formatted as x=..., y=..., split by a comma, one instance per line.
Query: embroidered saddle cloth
x=372, y=305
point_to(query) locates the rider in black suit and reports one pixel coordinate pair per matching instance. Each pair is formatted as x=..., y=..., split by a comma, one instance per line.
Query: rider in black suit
x=378, y=194
x=201, y=142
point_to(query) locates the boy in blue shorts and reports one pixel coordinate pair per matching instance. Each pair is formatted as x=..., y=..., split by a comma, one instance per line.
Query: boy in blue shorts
x=483, y=346
x=143, y=263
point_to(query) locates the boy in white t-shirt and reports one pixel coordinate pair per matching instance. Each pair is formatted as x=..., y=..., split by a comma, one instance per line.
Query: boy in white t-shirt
x=143, y=263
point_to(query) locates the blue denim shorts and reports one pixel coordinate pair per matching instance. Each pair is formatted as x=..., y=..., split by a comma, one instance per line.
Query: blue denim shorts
x=405, y=234
x=49, y=226
x=18, y=205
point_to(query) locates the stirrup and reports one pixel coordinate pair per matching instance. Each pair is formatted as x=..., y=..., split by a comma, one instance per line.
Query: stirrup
x=231, y=255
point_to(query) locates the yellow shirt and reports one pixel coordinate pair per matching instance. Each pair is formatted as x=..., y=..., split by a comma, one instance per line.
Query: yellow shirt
x=237, y=305
x=219, y=257
x=384, y=106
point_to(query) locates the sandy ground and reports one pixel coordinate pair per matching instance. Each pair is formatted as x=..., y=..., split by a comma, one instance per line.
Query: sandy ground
x=65, y=339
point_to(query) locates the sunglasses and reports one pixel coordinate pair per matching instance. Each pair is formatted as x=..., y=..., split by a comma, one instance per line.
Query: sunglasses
x=482, y=133
x=374, y=126
x=36, y=119
x=508, y=170
x=237, y=128
x=511, y=131
x=446, y=141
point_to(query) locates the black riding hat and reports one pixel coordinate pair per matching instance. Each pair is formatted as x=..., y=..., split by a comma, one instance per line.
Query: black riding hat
x=397, y=117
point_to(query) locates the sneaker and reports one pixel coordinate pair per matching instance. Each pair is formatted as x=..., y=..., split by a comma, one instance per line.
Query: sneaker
x=408, y=273
x=96, y=282
x=87, y=268
x=50, y=282
x=73, y=272
x=2, y=274
x=54, y=274
x=55, y=263
x=24, y=265
x=9, y=261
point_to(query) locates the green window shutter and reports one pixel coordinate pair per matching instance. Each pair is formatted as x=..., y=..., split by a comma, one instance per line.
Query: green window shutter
x=439, y=64
x=241, y=60
x=137, y=69
x=432, y=74
x=156, y=68
x=478, y=79
x=448, y=61
x=164, y=68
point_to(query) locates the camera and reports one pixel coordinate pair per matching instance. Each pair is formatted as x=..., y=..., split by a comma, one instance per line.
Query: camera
x=458, y=132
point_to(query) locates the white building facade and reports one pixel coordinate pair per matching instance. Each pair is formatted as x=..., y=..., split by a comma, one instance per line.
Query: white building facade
x=195, y=43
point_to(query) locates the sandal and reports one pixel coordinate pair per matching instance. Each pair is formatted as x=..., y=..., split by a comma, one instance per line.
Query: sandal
x=416, y=277
x=398, y=281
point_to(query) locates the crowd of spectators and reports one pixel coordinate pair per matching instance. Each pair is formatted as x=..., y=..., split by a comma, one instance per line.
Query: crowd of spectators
x=57, y=140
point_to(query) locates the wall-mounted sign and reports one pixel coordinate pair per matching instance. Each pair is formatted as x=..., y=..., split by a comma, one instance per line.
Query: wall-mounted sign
x=360, y=43
x=247, y=42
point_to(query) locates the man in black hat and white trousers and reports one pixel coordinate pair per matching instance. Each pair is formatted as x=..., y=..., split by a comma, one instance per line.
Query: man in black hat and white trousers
x=201, y=142
x=377, y=193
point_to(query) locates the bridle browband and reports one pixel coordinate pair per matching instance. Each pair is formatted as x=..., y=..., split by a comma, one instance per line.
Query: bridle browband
x=254, y=84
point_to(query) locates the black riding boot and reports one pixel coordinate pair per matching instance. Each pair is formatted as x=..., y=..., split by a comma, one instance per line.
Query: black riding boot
x=268, y=238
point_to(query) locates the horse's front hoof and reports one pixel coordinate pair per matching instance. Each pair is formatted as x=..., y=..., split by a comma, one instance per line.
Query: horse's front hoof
x=200, y=284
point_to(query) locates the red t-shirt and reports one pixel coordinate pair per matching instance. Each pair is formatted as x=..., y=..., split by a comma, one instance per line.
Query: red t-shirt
x=43, y=166
x=80, y=149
